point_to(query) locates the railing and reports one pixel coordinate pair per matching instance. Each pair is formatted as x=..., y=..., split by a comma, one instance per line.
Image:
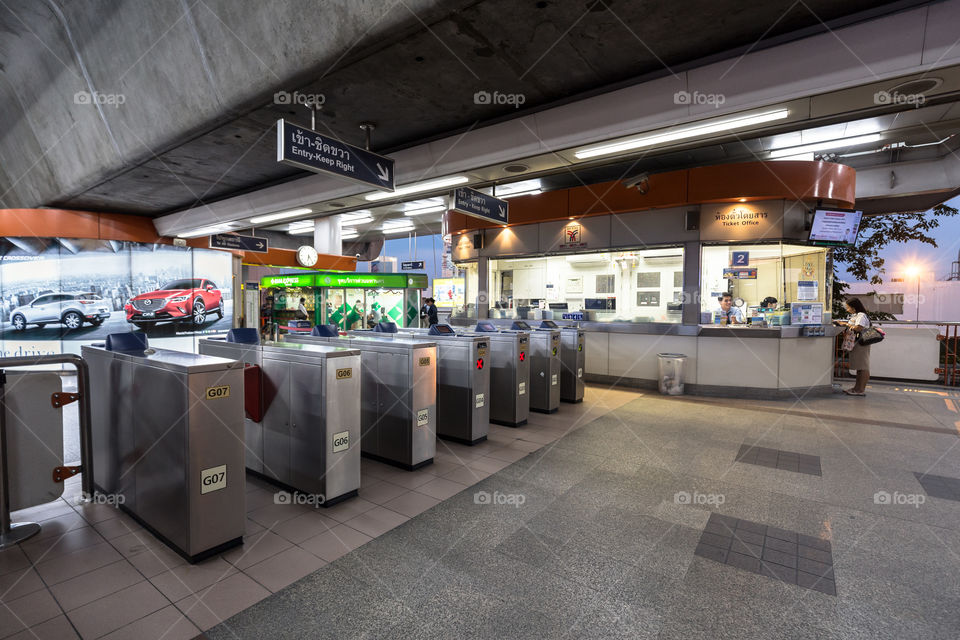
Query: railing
x=944, y=368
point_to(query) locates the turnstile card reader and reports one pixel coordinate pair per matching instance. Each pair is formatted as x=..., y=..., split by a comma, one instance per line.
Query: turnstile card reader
x=309, y=437
x=572, y=358
x=167, y=430
x=463, y=383
x=398, y=397
x=545, y=370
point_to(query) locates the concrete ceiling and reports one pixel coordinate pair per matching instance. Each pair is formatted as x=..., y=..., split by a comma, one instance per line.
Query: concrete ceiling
x=198, y=79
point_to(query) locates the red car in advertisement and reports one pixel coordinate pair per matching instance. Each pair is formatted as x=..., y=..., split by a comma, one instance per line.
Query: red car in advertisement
x=189, y=300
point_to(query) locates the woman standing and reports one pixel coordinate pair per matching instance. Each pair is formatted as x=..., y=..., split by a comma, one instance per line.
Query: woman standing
x=860, y=354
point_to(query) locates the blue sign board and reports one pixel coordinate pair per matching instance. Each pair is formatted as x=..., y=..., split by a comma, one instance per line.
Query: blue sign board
x=573, y=315
x=479, y=205
x=740, y=259
x=413, y=265
x=307, y=149
x=239, y=243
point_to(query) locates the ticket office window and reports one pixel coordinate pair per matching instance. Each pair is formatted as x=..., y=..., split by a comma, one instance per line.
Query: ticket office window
x=622, y=286
x=789, y=273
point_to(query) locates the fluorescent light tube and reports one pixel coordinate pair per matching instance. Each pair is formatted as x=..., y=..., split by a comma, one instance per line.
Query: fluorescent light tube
x=270, y=217
x=417, y=212
x=205, y=231
x=826, y=145
x=418, y=187
x=681, y=134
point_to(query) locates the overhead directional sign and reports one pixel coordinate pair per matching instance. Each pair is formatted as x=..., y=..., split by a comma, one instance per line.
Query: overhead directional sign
x=479, y=205
x=307, y=149
x=412, y=265
x=239, y=243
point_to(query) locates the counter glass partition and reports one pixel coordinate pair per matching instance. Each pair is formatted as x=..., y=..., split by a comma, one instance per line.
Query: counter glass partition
x=755, y=273
x=644, y=286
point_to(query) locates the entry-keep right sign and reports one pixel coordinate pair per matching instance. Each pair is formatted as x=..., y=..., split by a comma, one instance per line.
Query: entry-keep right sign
x=479, y=205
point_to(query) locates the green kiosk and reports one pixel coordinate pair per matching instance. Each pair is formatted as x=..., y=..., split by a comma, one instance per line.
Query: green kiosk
x=348, y=300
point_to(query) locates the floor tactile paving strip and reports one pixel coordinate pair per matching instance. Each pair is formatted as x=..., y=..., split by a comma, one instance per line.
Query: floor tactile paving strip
x=776, y=553
x=777, y=459
x=939, y=486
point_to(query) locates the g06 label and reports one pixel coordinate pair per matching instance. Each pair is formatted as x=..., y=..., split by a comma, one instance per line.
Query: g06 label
x=423, y=417
x=215, y=393
x=213, y=479
x=343, y=374
x=341, y=441
x=425, y=362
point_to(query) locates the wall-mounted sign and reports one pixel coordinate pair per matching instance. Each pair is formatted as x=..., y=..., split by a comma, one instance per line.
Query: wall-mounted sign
x=740, y=259
x=239, y=243
x=747, y=221
x=355, y=280
x=740, y=274
x=808, y=290
x=479, y=205
x=571, y=236
x=307, y=149
x=573, y=315
x=411, y=265
x=449, y=292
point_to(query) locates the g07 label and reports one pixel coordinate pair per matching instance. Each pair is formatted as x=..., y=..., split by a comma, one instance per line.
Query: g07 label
x=215, y=393
x=213, y=479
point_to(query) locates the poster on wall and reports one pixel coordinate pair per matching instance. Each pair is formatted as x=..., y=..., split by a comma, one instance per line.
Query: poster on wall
x=58, y=299
x=448, y=292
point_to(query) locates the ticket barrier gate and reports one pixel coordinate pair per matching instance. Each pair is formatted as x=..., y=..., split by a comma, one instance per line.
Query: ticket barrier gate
x=572, y=358
x=509, y=374
x=463, y=382
x=544, y=367
x=303, y=414
x=167, y=436
x=398, y=397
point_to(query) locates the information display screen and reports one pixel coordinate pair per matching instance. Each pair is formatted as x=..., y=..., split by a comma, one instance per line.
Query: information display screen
x=837, y=228
x=486, y=326
x=441, y=328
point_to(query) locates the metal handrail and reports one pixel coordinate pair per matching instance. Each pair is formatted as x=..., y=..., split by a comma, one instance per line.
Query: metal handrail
x=9, y=534
x=950, y=369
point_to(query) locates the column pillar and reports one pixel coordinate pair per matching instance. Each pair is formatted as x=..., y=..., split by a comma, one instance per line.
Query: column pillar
x=326, y=235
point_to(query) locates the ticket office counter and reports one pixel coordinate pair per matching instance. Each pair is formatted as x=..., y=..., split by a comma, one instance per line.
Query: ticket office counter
x=636, y=303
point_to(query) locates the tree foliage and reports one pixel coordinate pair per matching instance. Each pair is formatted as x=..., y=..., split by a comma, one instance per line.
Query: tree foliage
x=864, y=261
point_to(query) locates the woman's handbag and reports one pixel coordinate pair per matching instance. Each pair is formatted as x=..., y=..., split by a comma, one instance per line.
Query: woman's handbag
x=849, y=340
x=871, y=335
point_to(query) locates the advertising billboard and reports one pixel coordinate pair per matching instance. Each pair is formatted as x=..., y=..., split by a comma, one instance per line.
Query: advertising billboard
x=59, y=298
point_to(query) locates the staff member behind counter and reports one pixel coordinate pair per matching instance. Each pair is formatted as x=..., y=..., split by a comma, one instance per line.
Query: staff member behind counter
x=728, y=313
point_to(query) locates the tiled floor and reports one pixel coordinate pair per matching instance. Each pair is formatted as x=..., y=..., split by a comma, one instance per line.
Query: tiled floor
x=776, y=459
x=93, y=572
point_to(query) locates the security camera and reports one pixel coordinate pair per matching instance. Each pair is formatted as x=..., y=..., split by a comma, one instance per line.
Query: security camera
x=357, y=256
x=641, y=182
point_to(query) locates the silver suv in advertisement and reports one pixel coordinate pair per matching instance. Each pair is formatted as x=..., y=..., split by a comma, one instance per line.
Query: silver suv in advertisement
x=72, y=308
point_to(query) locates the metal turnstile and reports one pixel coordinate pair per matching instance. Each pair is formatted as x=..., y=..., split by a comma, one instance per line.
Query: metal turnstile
x=398, y=397
x=167, y=440
x=572, y=358
x=544, y=367
x=509, y=374
x=463, y=382
x=303, y=415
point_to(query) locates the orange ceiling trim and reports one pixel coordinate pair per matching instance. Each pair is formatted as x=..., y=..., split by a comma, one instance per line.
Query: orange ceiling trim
x=792, y=180
x=89, y=225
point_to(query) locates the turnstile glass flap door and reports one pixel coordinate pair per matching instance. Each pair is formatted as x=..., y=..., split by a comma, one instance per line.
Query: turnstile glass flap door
x=398, y=397
x=167, y=433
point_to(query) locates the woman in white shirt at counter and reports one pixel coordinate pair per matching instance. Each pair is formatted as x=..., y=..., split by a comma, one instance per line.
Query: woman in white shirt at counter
x=860, y=355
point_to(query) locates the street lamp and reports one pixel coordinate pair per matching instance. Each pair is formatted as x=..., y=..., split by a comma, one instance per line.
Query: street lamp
x=913, y=271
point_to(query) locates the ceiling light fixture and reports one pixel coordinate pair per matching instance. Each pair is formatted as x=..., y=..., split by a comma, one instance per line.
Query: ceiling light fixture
x=826, y=145
x=280, y=216
x=205, y=231
x=418, y=187
x=417, y=212
x=684, y=133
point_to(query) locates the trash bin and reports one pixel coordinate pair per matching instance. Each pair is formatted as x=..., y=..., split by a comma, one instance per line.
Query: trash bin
x=671, y=373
